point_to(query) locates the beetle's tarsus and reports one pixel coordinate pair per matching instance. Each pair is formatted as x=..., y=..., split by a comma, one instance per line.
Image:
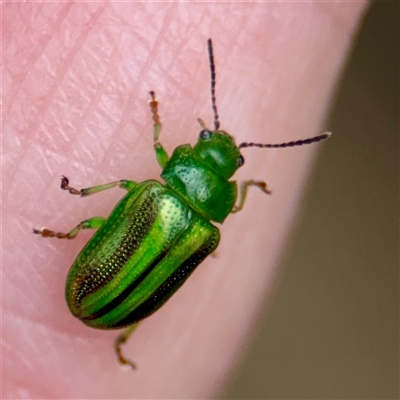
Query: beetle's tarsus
x=119, y=341
x=48, y=233
x=156, y=118
x=121, y=359
x=243, y=192
x=91, y=223
x=65, y=186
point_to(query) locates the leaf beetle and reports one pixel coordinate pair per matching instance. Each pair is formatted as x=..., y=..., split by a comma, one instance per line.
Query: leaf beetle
x=158, y=233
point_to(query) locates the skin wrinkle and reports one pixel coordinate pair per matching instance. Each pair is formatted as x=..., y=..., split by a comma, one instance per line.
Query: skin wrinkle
x=59, y=75
x=101, y=89
x=37, y=51
x=72, y=55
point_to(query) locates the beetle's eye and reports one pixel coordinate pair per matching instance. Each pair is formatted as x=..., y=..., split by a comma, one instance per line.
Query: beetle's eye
x=240, y=161
x=205, y=134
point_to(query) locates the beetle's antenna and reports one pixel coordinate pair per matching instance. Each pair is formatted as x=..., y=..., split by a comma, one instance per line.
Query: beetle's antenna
x=288, y=144
x=212, y=70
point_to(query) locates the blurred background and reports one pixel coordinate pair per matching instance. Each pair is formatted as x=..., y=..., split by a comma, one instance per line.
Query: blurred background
x=332, y=330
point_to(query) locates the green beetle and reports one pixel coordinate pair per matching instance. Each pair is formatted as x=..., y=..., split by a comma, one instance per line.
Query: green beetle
x=158, y=233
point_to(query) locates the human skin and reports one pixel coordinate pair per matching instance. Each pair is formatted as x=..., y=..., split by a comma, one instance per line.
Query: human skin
x=76, y=78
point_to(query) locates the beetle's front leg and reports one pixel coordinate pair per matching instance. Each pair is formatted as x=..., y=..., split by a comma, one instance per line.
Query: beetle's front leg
x=243, y=192
x=161, y=154
x=121, y=339
x=91, y=223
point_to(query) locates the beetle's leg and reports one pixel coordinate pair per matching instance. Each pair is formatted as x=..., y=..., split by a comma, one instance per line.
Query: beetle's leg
x=120, y=340
x=91, y=223
x=161, y=154
x=156, y=118
x=243, y=192
x=123, y=184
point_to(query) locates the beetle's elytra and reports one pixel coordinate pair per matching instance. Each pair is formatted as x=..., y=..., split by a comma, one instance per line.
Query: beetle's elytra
x=158, y=233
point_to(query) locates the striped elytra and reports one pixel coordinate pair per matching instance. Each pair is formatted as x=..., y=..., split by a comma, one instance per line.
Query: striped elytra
x=138, y=258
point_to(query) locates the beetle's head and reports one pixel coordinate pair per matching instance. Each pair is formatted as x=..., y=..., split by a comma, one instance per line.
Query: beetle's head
x=219, y=151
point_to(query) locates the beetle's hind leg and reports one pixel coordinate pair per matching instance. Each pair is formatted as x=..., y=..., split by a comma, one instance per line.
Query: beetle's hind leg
x=161, y=155
x=91, y=223
x=120, y=340
x=243, y=192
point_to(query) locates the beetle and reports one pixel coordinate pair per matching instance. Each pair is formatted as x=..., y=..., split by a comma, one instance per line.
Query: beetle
x=158, y=233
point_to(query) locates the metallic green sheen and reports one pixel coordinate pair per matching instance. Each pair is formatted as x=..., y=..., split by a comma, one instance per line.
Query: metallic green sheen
x=138, y=258
x=208, y=192
x=219, y=152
